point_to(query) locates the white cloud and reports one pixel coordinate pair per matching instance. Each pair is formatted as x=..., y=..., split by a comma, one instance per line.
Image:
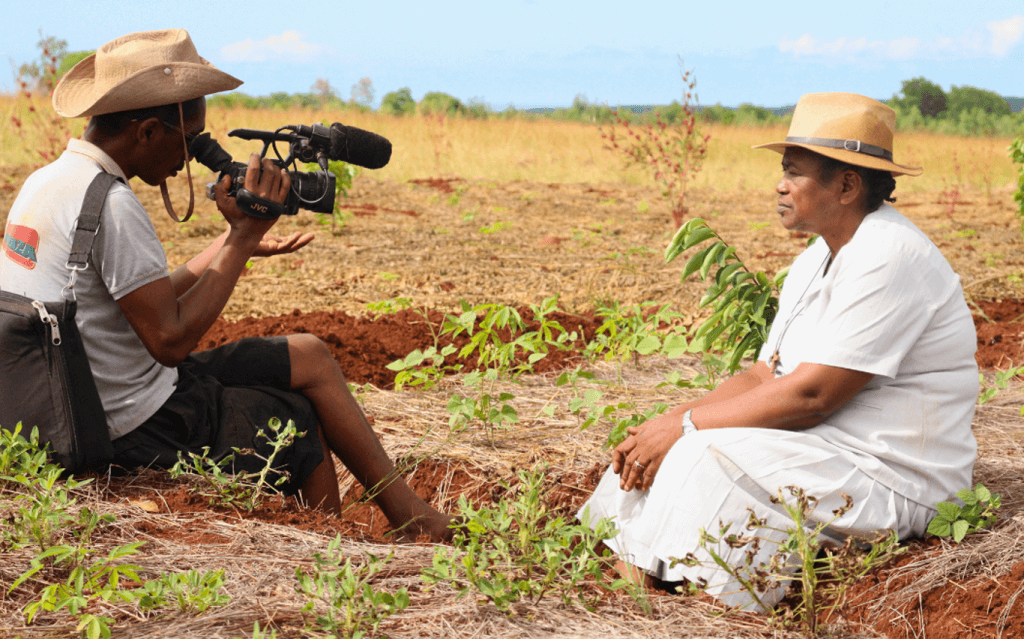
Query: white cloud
x=287, y=46
x=1001, y=36
x=1006, y=34
x=898, y=49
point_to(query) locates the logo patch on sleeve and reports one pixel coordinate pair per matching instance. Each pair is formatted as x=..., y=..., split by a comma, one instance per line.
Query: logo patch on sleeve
x=21, y=244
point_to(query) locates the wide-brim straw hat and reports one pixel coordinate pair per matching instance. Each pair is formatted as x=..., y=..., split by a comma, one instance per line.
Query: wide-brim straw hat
x=136, y=71
x=847, y=127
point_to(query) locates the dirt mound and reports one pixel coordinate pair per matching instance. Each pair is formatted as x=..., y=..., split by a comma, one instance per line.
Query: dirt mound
x=979, y=607
x=440, y=483
x=1000, y=327
x=364, y=346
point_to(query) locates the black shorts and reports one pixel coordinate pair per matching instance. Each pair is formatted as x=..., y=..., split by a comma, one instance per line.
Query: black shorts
x=225, y=396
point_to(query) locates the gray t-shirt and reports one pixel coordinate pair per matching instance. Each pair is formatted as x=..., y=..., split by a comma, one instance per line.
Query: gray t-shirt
x=126, y=255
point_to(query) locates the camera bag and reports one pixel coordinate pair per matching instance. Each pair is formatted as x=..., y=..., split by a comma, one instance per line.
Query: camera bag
x=45, y=378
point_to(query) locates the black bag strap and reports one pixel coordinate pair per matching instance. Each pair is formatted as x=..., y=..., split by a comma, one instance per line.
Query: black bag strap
x=88, y=225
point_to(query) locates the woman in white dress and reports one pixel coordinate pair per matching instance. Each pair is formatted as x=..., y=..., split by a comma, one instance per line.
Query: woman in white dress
x=866, y=385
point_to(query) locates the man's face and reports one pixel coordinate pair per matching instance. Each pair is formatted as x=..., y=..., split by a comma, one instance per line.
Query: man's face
x=805, y=202
x=168, y=155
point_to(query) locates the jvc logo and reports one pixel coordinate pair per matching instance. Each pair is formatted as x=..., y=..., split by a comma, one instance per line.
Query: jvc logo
x=259, y=207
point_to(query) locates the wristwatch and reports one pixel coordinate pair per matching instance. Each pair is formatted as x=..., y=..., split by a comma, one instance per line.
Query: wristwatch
x=688, y=426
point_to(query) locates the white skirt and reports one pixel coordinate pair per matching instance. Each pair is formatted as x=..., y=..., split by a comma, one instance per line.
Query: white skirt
x=716, y=475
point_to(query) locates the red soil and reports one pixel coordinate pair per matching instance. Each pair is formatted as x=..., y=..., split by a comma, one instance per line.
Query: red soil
x=364, y=346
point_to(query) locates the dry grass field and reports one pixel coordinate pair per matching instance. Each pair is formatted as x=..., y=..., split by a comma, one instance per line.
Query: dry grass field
x=514, y=212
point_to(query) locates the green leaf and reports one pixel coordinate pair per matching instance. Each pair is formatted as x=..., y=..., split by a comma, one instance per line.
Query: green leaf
x=948, y=510
x=710, y=259
x=967, y=496
x=960, y=529
x=675, y=346
x=694, y=263
x=982, y=493
x=939, y=527
x=648, y=345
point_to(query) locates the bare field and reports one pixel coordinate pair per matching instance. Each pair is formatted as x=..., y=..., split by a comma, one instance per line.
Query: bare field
x=540, y=211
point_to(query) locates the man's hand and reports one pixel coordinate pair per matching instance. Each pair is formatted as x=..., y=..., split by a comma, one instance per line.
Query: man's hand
x=647, y=445
x=273, y=184
x=273, y=245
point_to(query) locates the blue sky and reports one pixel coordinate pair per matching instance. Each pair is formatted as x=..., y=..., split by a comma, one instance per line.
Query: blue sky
x=543, y=53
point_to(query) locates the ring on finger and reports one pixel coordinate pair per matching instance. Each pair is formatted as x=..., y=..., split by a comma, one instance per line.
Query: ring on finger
x=639, y=465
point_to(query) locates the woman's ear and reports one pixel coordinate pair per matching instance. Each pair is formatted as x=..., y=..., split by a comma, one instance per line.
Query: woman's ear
x=852, y=187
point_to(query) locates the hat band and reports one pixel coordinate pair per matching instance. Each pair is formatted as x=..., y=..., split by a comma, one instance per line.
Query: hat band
x=855, y=146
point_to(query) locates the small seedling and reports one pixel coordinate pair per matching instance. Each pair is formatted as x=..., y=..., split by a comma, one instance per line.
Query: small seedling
x=1001, y=381
x=517, y=549
x=978, y=511
x=353, y=607
x=244, y=490
x=825, y=572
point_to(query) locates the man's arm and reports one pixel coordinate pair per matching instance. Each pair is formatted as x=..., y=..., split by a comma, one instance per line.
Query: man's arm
x=170, y=325
x=186, y=275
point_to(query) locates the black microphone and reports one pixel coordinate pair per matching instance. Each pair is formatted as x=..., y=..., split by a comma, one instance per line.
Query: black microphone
x=352, y=145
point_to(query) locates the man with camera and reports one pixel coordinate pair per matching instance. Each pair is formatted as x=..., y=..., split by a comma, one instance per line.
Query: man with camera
x=144, y=95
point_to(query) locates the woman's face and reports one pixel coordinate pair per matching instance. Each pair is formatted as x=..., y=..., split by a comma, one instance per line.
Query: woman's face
x=806, y=203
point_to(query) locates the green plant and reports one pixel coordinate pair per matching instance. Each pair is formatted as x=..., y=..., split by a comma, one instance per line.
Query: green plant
x=20, y=457
x=1001, y=381
x=422, y=368
x=353, y=606
x=632, y=331
x=745, y=303
x=673, y=151
x=189, y=592
x=44, y=515
x=497, y=227
x=485, y=339
x=85, y=583
x=388, y=307
x=589, y=409
x=344, y=173
x=715, y=368
x=517, y=549
x=493, y=411
x=1016, y=152
x=978, y=511
x=244, y=490
x=824, y=571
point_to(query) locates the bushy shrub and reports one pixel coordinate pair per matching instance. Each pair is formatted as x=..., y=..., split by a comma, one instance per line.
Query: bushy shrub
x=70, y=60
x=965, y=98
x=922, y=93
x=437, y=103
x=398, y=102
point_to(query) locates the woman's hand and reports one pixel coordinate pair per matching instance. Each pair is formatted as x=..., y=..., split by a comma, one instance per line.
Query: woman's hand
x=647, y=446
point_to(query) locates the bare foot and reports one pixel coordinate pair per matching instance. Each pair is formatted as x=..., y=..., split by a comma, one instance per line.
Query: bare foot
x=426, y=529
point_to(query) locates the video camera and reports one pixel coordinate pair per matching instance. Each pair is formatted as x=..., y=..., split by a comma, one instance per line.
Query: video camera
x=317, y=143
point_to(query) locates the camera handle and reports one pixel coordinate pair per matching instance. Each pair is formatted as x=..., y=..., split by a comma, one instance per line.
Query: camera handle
x=256, y=206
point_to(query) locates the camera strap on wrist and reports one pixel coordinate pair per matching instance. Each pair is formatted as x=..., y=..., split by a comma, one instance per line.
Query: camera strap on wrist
x=256, y=206
x=191, y=192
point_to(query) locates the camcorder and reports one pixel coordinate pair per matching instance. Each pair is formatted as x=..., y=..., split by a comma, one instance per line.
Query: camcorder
x=316, y=143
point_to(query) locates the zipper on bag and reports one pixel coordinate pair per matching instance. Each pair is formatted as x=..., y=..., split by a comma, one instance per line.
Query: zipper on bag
x=48, y=319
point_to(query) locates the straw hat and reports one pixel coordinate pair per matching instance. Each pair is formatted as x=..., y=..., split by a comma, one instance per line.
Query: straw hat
x=847, y=127
x=136, y=71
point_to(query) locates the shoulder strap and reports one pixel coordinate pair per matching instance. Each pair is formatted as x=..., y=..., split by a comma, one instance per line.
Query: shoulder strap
x=89, y=220
x=85, y=232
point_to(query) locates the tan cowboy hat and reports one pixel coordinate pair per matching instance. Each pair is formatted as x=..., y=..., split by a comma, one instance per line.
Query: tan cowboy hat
x=136, y=71
x=847, y=127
